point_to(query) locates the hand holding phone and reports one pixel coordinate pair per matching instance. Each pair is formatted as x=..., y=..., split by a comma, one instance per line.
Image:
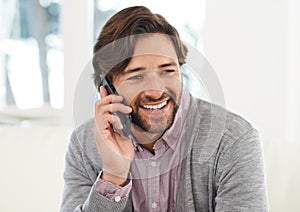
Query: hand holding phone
x=114, y=143
x=124, y=118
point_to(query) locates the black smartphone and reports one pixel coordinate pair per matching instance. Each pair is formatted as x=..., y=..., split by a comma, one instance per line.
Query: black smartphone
x=125, y=118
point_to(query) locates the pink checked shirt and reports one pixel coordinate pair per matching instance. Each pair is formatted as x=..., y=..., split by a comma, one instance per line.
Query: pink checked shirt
x=154, y=177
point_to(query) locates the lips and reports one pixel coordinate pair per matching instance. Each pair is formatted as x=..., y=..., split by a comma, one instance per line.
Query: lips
x=156, y=106
x=156, y=109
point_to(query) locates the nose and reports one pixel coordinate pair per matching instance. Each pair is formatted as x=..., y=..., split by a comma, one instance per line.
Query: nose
x=154, y=87
x=153, y=94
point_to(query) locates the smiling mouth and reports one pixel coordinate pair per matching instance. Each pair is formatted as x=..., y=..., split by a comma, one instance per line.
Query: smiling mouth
x=155, y=107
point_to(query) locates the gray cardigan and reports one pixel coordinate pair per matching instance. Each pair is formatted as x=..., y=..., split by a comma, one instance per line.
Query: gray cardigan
x=223, y=168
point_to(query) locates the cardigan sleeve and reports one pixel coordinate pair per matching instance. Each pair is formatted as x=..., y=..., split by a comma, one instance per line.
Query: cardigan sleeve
x=240, y=176
x=79, y=192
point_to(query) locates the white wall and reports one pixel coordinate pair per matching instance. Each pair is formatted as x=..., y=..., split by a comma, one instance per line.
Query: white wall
x=250, y=46
x=32, y=164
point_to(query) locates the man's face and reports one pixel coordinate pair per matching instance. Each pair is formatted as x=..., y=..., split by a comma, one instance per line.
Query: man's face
x=151, y=84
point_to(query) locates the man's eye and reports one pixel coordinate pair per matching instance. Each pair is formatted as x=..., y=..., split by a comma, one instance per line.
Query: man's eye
x=169, y=71
x=135, y=77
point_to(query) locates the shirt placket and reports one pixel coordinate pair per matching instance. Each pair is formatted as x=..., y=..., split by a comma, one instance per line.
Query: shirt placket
x=154, y=185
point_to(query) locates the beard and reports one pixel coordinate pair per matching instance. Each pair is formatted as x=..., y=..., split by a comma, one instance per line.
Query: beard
x=157, y=124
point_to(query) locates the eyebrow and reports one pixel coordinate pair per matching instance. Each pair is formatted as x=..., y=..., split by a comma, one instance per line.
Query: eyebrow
x=167, y=64
x=143, y=68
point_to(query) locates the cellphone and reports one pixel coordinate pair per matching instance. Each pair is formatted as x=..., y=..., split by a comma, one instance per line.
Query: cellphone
x=125, y=118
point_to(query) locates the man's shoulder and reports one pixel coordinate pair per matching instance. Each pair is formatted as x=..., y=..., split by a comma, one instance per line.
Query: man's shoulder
x=83, y=140
x=216, y=124
x=216, y=128
x=84, y=131
x=221, y=118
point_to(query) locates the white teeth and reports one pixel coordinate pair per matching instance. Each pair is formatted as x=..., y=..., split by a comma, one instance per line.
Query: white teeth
x=155, y=107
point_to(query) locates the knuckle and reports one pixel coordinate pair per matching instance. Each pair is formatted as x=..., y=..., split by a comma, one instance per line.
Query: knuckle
x=99, y=102
x=115, y=119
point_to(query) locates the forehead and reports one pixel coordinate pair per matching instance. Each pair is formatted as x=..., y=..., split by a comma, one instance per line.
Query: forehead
x=155, y=44
x=150, y=51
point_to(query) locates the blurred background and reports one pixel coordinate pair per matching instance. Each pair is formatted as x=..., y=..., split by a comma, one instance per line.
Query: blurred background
x=45, y=71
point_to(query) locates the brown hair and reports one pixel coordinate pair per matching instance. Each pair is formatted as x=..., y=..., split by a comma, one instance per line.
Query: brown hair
x=115, y=43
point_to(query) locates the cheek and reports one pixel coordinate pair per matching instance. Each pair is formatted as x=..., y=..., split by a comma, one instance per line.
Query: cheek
x=174, y=83
x=129, y=93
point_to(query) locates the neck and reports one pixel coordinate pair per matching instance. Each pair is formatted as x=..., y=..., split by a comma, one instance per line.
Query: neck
x=145, y=139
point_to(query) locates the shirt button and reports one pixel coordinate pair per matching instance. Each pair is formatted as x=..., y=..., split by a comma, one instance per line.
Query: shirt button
x=117, y=198
x=154, y=205
x=153, y=163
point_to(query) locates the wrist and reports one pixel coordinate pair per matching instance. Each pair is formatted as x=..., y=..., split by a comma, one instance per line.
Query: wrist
x=115, y=179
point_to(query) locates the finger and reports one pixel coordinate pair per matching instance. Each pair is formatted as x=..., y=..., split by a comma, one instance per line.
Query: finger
x=106, y=121
x=116, y=122
x=103, y=92
x=110, y=108
x=111, y=98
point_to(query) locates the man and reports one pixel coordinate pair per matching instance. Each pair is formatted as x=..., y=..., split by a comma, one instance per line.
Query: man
x=182, y=154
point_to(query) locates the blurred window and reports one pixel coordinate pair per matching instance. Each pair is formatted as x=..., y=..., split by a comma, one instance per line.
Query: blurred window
x=31, y=54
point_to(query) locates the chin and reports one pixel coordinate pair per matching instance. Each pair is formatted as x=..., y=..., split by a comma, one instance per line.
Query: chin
x=156, y=122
